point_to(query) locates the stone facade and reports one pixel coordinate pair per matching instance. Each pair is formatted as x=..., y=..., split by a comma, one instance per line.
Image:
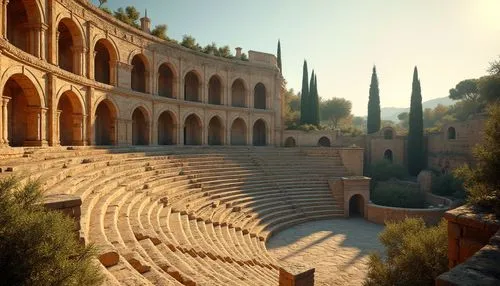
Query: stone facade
x=73, y=75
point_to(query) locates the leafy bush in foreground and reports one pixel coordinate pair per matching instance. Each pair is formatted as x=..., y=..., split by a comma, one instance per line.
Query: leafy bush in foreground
x=415, y=255
x=38, y=246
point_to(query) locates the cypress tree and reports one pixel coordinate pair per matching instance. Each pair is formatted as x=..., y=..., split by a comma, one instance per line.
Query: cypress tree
x=304, y=95
x=278, y=55
x=416, y=129
x=311, y=113
x=373, y=121
x=316, y=100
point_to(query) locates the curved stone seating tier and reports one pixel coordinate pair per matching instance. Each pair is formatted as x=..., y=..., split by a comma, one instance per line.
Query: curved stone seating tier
x=186, y=216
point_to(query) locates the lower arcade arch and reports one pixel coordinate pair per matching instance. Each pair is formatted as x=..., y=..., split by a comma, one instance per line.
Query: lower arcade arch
x=70, y=120
x=324, y=142
x=140, y=127
x=105, y=122
x=290, y=142
x=356, y=206
x=238, y=132
x=259, y=133
x=192, y=130
x=167, y=130
x=215, y=132
x=24, y=116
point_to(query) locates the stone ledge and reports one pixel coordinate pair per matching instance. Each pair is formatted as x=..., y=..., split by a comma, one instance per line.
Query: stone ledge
x=61, y=201
x=483, y=268
x=468, y=216
x=293, y=274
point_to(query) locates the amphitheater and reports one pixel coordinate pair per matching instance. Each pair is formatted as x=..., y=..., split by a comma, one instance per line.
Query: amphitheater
x=171, y=160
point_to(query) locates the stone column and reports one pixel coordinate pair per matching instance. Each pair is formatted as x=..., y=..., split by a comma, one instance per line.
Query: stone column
x=43, y=126
x=78, y=60
x=113, y=75
x=34, y=123
x=4, y=136
x=180, y=134
x=78, y=131
x=56, y=48
x=91, y=63
x=58, y=128
x=42, y=41
x=4, y=15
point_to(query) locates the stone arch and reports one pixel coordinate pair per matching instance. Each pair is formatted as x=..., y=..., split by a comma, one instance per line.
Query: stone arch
x=140, y=126
x=24, y=18
x=167, y=128
x=192, y=86
x=70, y=111
x=388, y=155
x=167, y=80
x=324, y=142
x=105, y=59
x=451, y=133
x=23, y=72
x=259, y=134
x=388, y=134
x=105, y=122
x=70, y=46
x=24, y=112
x=290, y=142
x=192, y=130
x=215, y=90
x=239, y=132
x=259, y=96
x=356, y=206
x=239, y=93
x=216, y=131
x=139, y=73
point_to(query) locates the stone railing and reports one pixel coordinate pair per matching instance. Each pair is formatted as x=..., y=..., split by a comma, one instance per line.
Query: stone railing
x=473, y=248
x=380, y=214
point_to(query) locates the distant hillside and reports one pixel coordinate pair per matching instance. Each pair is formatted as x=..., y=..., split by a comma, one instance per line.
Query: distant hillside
x=391, y=113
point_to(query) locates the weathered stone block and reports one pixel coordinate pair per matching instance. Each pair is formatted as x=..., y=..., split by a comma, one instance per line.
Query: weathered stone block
x=296, y=275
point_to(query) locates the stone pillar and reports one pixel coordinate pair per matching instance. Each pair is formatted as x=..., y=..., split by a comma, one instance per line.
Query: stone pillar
x=44, y=128
x=58, y=128
x=113, y=75
x=78, y=60
x=91, y=63
x=42, y=41
x=180, y=134
x=4, y=21
x=296, y=275
x=56, y=48
x=34, y=123
x=154, y=133
x=5, y=122
x=77, y=129
x=89, y=120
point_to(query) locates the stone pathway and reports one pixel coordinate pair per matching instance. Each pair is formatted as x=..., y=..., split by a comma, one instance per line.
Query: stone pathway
x=337, y=248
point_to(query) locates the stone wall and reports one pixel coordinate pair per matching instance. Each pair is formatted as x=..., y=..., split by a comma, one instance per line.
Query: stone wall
x=308, y=138
x=380, y=214
x=473, y=249
x=38, y=72
x=468, y=232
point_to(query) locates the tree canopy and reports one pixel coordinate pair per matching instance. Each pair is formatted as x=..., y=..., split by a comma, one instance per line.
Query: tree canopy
x=304, y=95
x=160, y=31
x=129, y=15
x=466, y=89
x=335, y=109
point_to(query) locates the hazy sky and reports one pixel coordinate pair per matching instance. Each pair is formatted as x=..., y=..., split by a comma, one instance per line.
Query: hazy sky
x=449, y=40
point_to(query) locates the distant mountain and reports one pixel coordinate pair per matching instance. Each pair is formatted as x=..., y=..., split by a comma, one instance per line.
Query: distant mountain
x=391, y=113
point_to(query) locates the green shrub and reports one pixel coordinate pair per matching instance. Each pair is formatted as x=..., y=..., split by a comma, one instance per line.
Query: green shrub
x=415, y=254
x=448, y=185
x=398, y=195
x=385, y=170
x=482, y=182
x=38, y=246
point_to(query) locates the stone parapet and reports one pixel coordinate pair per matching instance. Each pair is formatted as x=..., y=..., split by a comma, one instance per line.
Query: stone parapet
x=473, y=248
x=380, y=214
x=468, y=232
